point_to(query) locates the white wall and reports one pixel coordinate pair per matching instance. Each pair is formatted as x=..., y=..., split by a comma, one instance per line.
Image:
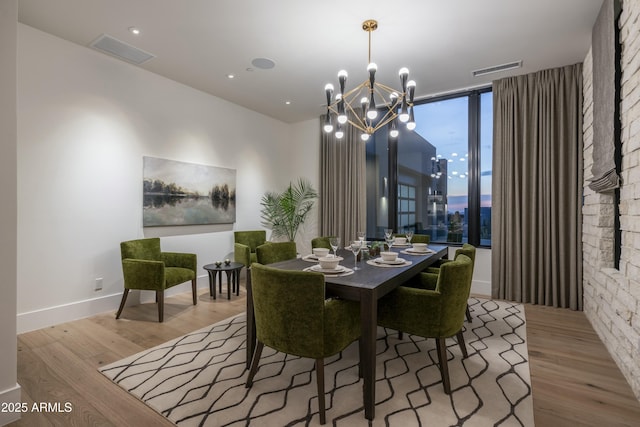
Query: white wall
x=9, y=389
x=305, y=151
x=85, y=121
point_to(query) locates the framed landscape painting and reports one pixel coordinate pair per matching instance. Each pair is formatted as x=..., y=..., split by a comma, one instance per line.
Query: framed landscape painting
x=179, y=193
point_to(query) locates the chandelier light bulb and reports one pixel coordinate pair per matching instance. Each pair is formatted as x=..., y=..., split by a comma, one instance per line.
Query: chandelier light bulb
x=328, y=126
x=328, y=87
x=411, y=88
x=411, y=124
x=372, y=113
x=404, y=71
x=364, y=137
x=342, y=74
x=339, y=134
x=404, y=113
x=342, y=119
x=394, y=133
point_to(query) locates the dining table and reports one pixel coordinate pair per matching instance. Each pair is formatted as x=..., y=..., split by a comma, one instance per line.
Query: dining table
x=367, y=285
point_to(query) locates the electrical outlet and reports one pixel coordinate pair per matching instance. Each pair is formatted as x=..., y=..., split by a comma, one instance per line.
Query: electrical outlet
x=98, y=284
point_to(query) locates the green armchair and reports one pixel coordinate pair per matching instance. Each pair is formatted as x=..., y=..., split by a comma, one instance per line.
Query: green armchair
x=146, y=267
x=245, y=244
x=293, y=317
x=466, y=249
x=276, y=252
x=437, y=313
x=321, y=242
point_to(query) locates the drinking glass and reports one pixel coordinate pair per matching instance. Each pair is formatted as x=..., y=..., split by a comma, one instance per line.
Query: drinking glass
x=409, y=234
x=361, y=235
x=334, y=242
x=355, y=247
x=389, y=239
x=387, y=233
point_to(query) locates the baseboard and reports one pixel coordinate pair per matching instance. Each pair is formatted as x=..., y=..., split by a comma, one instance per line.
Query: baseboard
x=9, y=398
x=482, y=288
x=50, y=316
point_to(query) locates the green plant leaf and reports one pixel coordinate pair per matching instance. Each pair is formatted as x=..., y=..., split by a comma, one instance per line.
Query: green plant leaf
x=285, y=212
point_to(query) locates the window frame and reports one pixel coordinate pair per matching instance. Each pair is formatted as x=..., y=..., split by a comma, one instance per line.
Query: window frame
x=474, y=170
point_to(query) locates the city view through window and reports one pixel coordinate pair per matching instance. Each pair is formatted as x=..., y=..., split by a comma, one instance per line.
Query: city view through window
x=436, y=179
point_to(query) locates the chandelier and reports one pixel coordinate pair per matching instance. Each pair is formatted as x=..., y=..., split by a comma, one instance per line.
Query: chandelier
x=396, y=106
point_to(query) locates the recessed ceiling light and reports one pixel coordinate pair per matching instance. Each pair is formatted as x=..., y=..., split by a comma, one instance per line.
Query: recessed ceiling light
x=287, y=102
x=134, y=30
x=231, y=76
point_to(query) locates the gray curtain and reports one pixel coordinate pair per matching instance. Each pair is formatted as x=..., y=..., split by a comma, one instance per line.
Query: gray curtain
x=342, y=184
x=537, y=188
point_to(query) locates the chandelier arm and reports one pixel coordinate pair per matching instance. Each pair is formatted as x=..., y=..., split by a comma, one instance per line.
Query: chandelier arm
x=388, y=103
x=389, y=89
x=348, y=97
x=359, y=123
x=383, y=123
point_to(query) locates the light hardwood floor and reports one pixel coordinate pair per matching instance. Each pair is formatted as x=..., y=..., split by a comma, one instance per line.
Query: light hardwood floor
x=575, y=382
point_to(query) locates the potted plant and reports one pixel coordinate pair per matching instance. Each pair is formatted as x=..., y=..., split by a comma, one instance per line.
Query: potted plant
x=285, y=212
x=374, y=249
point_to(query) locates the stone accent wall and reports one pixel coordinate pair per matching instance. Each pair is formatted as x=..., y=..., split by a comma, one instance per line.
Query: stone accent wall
x=612, y=297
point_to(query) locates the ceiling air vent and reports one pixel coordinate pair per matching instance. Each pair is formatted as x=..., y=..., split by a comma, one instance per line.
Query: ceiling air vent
x=114, y=47
x=497, y=68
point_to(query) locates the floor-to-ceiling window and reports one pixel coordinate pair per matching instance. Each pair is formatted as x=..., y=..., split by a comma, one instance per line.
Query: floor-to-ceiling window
x=436, y=179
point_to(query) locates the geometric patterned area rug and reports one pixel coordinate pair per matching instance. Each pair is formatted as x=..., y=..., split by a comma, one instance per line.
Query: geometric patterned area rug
x=199, y=379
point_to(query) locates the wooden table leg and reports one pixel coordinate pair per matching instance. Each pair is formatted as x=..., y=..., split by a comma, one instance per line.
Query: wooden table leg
x=369, y=325
x=236, y=277
x=212, y=283
x=228, y=283
x=251, y=323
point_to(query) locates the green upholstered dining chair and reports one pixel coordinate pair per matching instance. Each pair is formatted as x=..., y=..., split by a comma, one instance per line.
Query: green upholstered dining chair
x=245, y=244
x=437, y=313
x=321, y=242
x=466, y=249
x=146, y=267
x=276, y=252
x=292, y=316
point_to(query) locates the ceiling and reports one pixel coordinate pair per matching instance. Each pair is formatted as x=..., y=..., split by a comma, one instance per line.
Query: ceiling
x=200, y=42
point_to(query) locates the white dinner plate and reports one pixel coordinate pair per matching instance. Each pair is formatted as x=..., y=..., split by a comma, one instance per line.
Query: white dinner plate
x=397, y=261
x=417, y=252
x=339, y=269
x=314, y=258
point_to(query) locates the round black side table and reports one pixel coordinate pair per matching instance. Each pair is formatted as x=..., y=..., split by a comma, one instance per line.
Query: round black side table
x=233, y=277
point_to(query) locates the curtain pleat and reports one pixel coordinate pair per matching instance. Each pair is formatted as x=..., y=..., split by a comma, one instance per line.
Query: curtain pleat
x=342, y=184
x=537, y=188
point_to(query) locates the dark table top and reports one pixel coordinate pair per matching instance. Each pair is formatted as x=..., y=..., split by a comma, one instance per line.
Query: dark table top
x=223, y=267
x=371, y=277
